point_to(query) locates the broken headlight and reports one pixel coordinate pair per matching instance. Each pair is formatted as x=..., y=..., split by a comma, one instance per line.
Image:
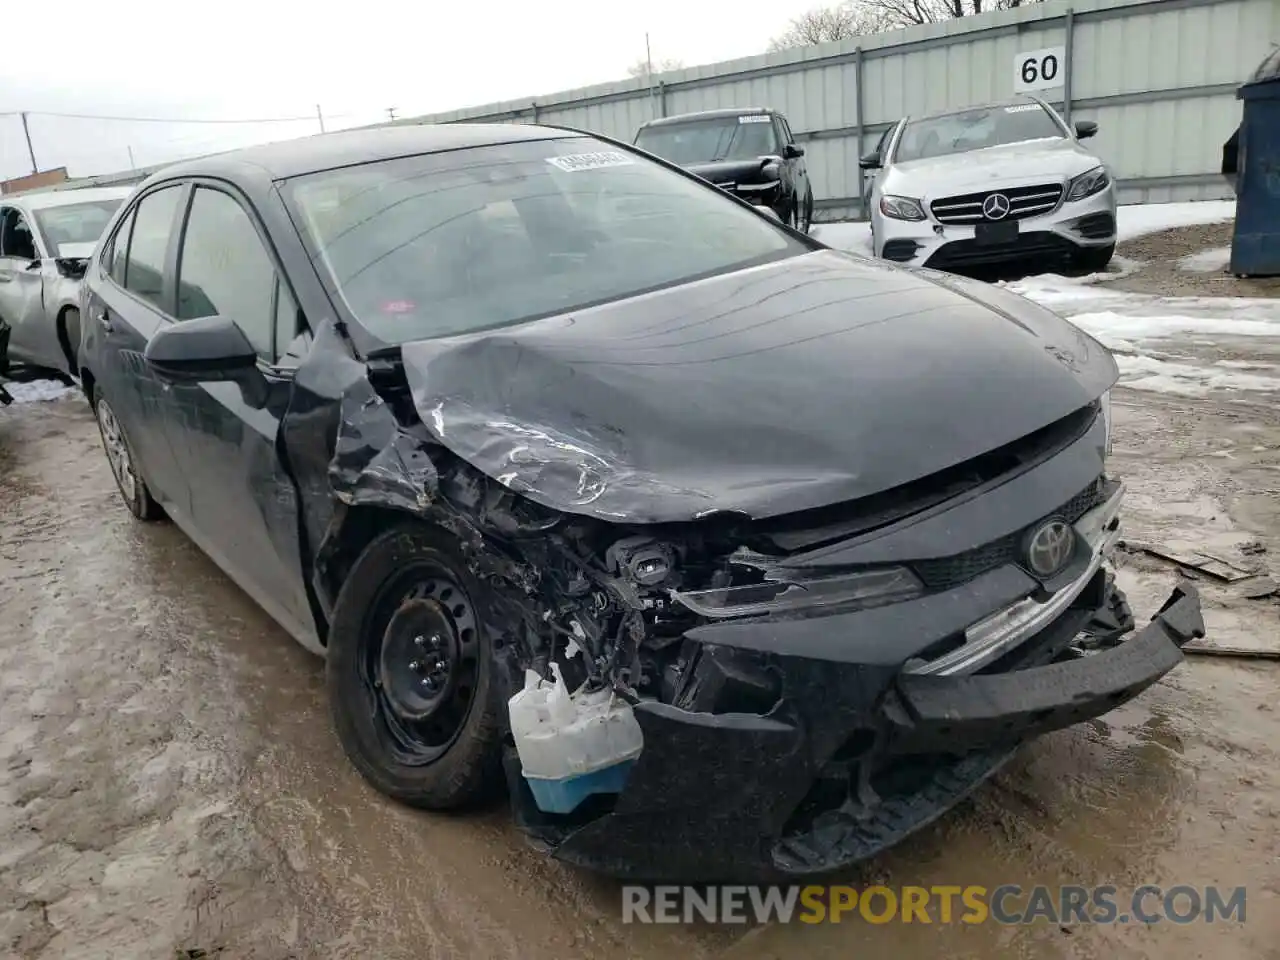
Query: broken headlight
x=863, y=588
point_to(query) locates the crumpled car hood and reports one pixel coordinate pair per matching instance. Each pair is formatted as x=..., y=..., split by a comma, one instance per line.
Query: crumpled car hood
x=814, y=380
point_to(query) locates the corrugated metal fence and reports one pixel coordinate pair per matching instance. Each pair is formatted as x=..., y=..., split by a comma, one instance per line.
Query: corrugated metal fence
x=1158, y=77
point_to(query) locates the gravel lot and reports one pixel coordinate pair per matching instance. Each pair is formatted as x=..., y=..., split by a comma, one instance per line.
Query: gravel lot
x=169, y=783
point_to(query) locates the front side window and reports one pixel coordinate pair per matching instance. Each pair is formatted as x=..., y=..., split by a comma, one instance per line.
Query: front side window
x=224, y=269
x=452, y=242
x=744, y=137
x=73, y=229
x=148, y=244
x=975, y=130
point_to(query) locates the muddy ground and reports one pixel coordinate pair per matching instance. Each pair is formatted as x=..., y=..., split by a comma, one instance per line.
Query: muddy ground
x=169, y=783
x=1186, y=262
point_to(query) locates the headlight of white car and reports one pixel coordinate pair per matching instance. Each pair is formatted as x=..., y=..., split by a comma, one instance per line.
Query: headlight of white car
x=1088, y=183
x=1105, y=400
x=901, y=208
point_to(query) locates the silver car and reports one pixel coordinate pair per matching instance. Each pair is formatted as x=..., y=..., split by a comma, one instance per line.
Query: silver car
x=990, y=185
x=45, y=242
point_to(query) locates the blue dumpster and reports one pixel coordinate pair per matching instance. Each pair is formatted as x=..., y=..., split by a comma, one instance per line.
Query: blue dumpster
x=1255, y=246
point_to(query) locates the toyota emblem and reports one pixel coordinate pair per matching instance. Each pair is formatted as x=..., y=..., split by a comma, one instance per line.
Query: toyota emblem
x=1049, y=548
x=996, y=207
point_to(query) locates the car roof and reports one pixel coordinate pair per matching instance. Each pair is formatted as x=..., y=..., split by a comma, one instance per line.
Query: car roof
x=1016, y=101
x=721, y=114
x=63, y=198
x=326, y=151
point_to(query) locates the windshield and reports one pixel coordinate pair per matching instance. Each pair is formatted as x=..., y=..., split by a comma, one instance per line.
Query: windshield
x=703, y=141
x=75, y=223
x=974, y=130
x=452, y=242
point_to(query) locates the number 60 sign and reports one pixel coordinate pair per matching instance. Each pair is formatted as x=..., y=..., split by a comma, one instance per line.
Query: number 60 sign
x=1039, y=69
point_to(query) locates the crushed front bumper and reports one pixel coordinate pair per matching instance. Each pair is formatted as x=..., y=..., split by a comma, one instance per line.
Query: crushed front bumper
x=852, y=759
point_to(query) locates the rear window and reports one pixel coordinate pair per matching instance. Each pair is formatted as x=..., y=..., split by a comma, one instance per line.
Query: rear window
x=446, y=243
x=974, y=130
x=745, y=137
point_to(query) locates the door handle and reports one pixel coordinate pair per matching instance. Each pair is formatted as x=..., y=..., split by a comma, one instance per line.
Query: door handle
x=6, y=278
x=105, y=321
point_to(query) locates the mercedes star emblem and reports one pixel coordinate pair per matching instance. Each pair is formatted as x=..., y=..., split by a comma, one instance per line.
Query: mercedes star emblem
x=995, y=207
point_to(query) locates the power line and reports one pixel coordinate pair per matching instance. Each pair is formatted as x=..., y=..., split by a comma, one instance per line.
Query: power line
x=95, y=116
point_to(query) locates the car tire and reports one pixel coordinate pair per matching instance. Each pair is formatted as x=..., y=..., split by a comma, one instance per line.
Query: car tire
x=133, y=489
x=408, y=603
x=806, y=219
x=1094, y=259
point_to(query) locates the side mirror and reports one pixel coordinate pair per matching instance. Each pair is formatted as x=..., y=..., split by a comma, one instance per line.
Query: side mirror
x=793, y=151
x=1085, y=129
x=35, y=264
x=870, y=161
x=208, y=350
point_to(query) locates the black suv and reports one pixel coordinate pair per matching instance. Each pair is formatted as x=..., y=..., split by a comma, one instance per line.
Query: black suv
x=749, y=152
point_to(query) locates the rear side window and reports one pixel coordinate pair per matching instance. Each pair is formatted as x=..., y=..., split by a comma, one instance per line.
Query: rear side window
x=224, y=270
x=152, y=228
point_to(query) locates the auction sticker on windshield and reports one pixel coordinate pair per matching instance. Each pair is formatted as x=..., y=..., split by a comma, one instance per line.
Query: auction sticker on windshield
x=573, y=162
x=754, y=118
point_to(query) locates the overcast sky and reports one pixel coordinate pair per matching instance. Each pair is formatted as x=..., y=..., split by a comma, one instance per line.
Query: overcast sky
x=279, y=58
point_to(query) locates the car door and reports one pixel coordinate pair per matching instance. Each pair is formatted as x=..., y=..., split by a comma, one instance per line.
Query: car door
x=797, y=168
x=244, y=509
x=125, y=305
x=21, y=285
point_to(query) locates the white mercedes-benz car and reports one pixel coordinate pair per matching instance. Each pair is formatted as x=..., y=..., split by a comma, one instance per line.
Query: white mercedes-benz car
x=991, y=185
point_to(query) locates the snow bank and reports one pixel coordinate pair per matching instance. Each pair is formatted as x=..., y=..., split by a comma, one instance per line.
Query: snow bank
x=1136, y=220
x=1206, y=261
x=34, y=391
x=1186, y=379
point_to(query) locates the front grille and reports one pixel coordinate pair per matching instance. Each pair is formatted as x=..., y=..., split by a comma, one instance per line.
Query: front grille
x=944, y=573
x=1038, y=245
x=1023, y=202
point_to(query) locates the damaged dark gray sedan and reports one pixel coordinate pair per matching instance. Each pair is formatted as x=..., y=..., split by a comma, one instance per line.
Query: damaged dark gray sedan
x=725, y=554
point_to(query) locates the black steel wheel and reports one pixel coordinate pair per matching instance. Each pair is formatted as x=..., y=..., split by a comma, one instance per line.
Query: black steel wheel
x=410, y=671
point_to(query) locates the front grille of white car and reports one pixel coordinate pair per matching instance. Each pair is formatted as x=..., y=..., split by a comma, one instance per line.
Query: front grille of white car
x=1023, y=202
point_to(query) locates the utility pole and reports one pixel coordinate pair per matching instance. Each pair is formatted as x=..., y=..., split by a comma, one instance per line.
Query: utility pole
x=648, y=70
x=132, y=163
x=391, y=112
x=30, y=152
x=320, y=117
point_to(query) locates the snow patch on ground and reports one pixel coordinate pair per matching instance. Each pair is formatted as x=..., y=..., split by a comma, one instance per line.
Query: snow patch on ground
x=1139, y=219
x=1113, y=324
x=853, y=237
x=1206, y=261
x=1188, y=379
x=34, y=391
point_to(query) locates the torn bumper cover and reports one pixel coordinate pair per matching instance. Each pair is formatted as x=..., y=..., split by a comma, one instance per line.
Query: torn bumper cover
x=853, y=757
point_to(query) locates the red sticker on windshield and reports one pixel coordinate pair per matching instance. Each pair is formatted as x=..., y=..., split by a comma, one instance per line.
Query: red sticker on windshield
x=399, y=306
